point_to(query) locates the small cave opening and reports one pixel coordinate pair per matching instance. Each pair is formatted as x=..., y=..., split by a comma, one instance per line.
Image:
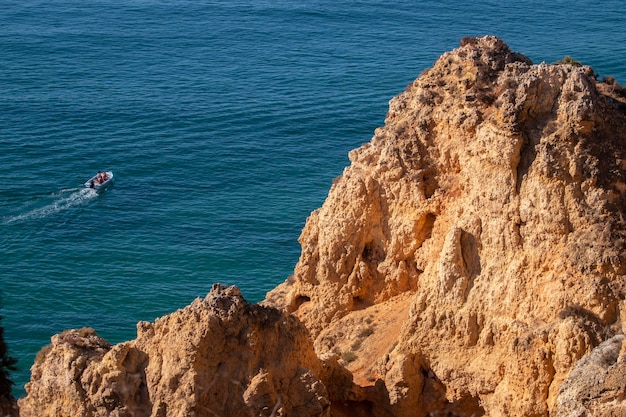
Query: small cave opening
x=425, y=228
x=373, y=252
x=352, y=408
x=301, y=299
x=359, y=304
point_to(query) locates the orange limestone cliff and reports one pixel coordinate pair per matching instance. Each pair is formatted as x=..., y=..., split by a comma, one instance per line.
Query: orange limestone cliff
x=474, y=250
x=470, y=261
x=219, y=356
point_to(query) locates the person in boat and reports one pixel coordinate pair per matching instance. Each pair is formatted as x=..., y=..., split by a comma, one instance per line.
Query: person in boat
x=101, y=177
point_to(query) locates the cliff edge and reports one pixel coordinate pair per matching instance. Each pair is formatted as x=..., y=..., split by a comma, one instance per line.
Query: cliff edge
x=470, y=261
x=485, y=222
x=219, y=356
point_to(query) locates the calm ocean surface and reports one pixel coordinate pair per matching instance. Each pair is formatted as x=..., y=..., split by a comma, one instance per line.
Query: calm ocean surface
x=224, y=123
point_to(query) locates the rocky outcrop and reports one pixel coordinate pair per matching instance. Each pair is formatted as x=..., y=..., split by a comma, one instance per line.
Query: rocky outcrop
x=220, y=356
x=493, y=197
x=470, y=261
x=597, y=384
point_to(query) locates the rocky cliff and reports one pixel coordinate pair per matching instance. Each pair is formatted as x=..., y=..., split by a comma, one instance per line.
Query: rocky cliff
x=487, y=217
x=470, y=261
x=220, y=356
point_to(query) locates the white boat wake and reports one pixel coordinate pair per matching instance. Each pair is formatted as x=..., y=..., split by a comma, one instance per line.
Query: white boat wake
x=61, y=202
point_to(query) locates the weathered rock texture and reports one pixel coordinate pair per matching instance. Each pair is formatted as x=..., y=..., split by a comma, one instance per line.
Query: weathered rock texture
x=217, y=357
x=494, y=197
x=597, y=384
x=467, y=262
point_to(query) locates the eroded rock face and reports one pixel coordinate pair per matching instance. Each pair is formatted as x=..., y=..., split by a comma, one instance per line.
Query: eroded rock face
x=494, y=195
x=470, y=261
x=597, y=384
x=218, y=356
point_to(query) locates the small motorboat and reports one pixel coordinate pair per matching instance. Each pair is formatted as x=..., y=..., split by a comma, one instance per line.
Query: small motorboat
x=100, y=181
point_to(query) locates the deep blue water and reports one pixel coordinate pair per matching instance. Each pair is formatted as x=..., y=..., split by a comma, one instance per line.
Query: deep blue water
x=224, y=123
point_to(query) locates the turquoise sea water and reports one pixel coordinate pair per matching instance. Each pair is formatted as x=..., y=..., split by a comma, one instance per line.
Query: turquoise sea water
x=224, y=123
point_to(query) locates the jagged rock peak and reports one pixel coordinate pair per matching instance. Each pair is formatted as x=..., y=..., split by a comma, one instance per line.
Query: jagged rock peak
x=493, y=200
x=218, y=356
